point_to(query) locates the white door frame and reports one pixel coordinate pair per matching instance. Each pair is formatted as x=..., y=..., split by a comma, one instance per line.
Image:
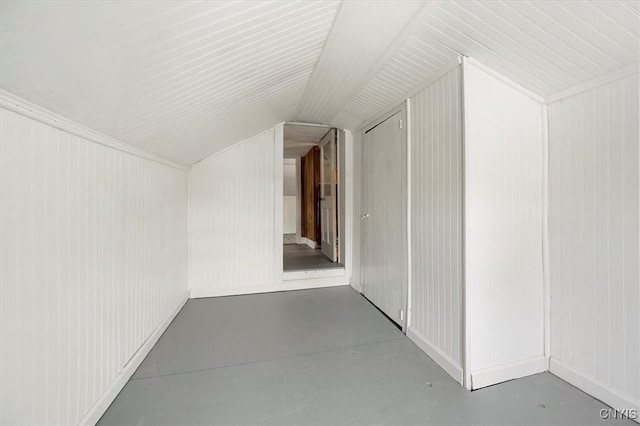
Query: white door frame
x=319, y=278
x=329, y=246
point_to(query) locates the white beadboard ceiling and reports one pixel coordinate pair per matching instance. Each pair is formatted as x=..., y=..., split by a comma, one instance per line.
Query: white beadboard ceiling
x=187, y=79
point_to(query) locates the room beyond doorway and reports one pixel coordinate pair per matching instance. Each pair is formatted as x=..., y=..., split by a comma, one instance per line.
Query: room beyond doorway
x=311, y=224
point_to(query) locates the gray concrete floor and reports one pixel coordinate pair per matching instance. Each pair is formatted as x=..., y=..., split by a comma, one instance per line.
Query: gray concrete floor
x=298, y=257
x=319, y=357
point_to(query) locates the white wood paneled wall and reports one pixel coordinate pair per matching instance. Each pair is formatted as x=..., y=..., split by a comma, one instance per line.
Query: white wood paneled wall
x=436, y=222
x=595, y=289
x=93, y=259
x=504, y=310
x=232, y=220
x=356, y=281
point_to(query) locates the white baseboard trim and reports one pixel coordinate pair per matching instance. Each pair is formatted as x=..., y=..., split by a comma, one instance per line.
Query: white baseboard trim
x=443, y=360
x=313, y=273
x=101, y=406
x=271, y=288
x=593, y=388
x=512, y=370
x=308, y=242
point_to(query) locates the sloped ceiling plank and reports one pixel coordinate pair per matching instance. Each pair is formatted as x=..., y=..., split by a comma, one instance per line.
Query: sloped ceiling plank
x=611, y=36
x=414, y=63
x=181, y=79
x=450, y=21
x=465, y=45
x=359, y=37
x=573, y=30
x=187, y=79
x=544, y=46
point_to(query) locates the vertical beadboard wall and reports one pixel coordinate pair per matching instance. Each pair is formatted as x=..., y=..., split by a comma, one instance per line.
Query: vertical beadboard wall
x=93, y=259
x=595, y=288
x=355, y=280
x=232, y=220
x=436, y=222
x=504, y=307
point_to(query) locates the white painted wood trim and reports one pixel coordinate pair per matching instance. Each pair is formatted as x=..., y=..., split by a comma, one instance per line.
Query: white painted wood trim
x=347, y=178
x=308, y=242
x=100, y=407
x=408, y=227
x=593, y=388
x=504, y=372
x=271, y=288
x=278, y=201
x=537, y=98
x=314, y=273
x=464, y=349
x=42, y=115
x=546, y=262
x=440, y=358
x=388, y=114
x=616, y=75
x=401, y=101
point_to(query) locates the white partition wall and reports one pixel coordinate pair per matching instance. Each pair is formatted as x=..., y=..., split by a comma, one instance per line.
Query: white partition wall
x=232, y=220
x=436, y=222
x=503, y=231
x=595, y=288
x=93, y=265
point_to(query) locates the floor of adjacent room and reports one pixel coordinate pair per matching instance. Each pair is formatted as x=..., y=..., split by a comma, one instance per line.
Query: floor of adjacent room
x=321, y=356
x=297, y=257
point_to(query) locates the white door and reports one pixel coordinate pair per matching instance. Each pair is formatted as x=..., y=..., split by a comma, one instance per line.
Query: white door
x=328, y=198
x=384, y=236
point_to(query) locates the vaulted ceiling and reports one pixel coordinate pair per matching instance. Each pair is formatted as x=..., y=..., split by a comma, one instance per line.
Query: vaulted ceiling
x=187, y=79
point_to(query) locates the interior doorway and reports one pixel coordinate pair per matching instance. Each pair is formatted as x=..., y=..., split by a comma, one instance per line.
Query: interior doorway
x=311, y=224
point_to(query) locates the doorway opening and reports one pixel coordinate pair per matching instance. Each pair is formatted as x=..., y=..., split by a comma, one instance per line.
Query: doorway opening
x=311, y=224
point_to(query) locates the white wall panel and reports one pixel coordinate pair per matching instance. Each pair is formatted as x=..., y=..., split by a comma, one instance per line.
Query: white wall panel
x=93, y=259
x=356, y=275
x=436, y=221
x=290, y=213
x=232, y=219
x=503, y=231
x=595, y=287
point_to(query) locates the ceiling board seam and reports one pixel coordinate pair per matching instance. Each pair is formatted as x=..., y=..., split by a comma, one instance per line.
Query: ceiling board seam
x=539, y=43
x=23, y=107
x=202, y=120
x=229, y=68
x=315, y=70
x=559, y=41
x=577, y=36
x=615, y=21
x=596, y=82
x=197, y=104
x=396, y=44
x=595, y=29
x=183, y=97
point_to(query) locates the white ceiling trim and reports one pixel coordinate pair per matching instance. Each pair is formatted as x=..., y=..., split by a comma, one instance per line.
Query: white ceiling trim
x=615, y=75
x=26, y=108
